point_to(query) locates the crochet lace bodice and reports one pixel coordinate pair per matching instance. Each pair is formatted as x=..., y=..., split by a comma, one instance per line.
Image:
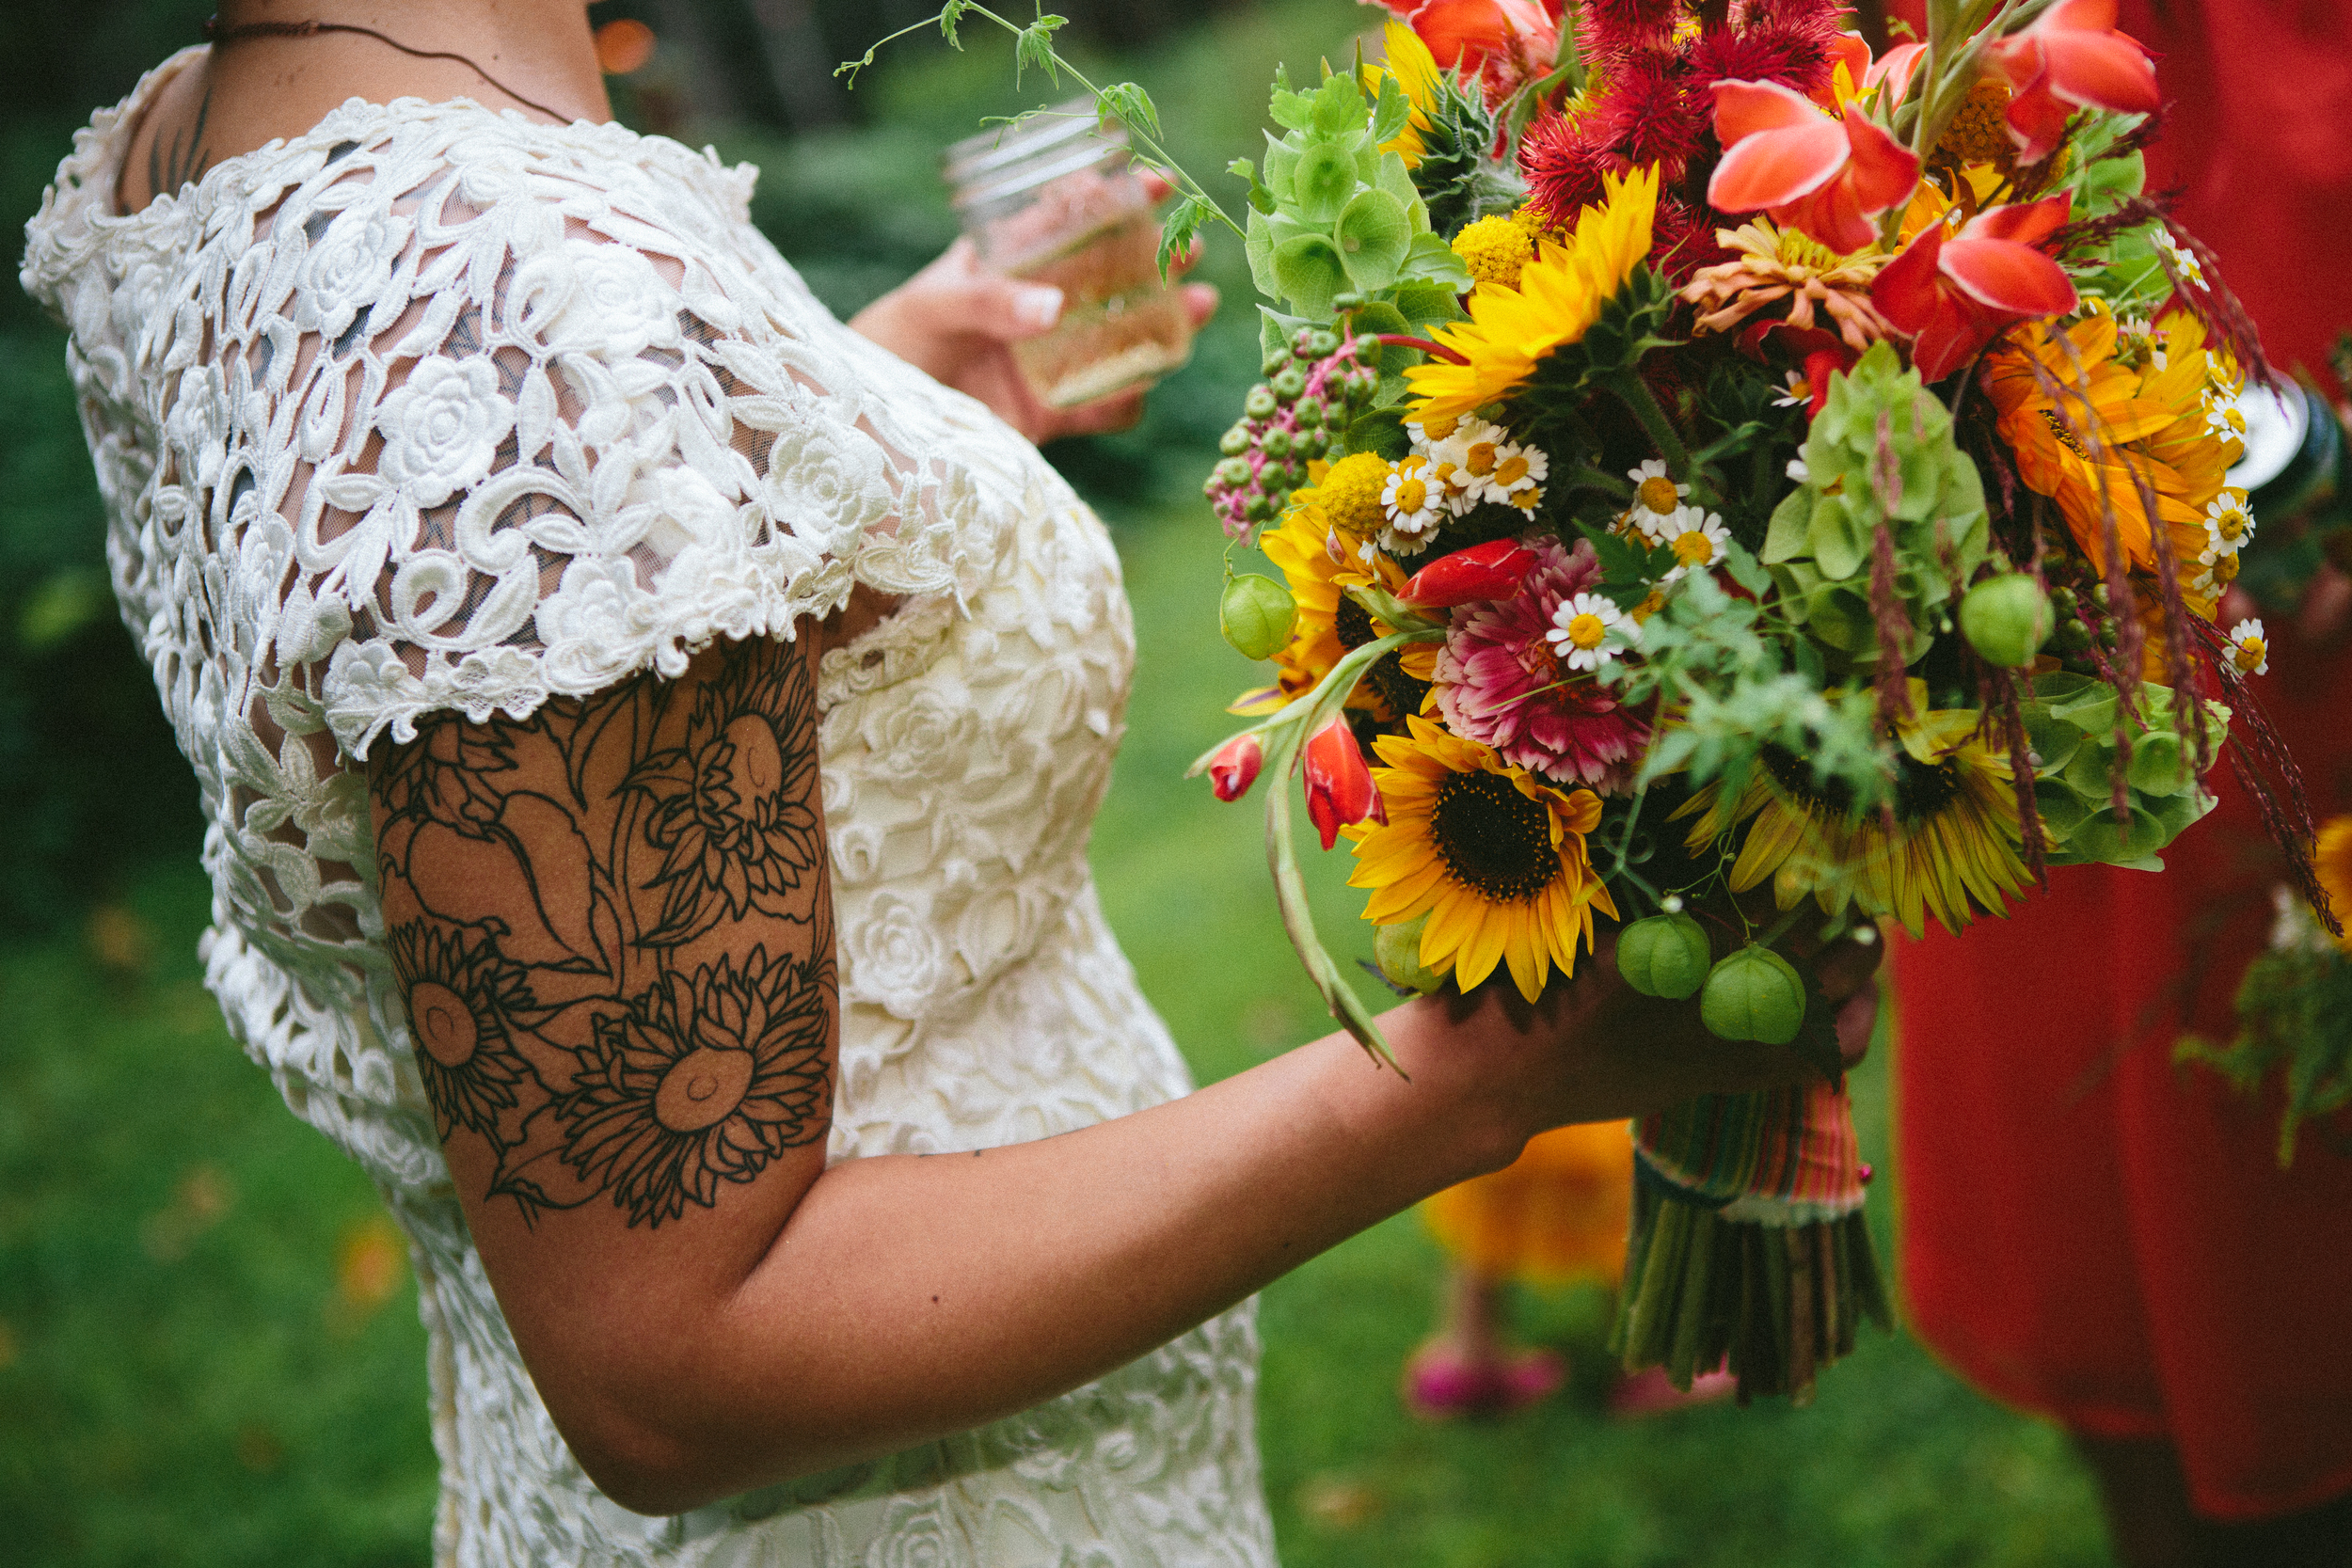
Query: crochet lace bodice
x=435, y=408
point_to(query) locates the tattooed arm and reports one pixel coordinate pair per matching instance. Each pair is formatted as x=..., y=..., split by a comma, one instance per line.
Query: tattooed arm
x=612, y=927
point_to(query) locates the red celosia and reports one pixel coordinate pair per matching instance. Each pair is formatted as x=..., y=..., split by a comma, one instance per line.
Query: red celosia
x=1956, y=292
x=1822, y=174
x=1234, y=766
x=1338, y=786
x=2072, y=57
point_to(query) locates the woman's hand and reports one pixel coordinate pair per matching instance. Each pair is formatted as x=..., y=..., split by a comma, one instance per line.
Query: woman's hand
x=956, y=321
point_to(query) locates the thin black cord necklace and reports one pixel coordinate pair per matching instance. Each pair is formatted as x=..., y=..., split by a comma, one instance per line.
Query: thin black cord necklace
x=219, y=35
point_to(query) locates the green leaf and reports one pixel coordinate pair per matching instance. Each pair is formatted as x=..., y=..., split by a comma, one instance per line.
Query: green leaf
x=1261, y=198
x=1745, y=569
x=950, y=14
x=1323, y=182
x=1258, y=244
x=1427, y=305
x=1434, y=262
x=1308, y=272
x=1130, y=106
x=1374, y=237
x=1034, y=46
x=1293, y=111
x=1339, y=106
x=1177, y=230
x=1393, y=113
x=1281, y=160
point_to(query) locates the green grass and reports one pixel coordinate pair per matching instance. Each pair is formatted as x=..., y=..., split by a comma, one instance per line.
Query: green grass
x=189, y=1378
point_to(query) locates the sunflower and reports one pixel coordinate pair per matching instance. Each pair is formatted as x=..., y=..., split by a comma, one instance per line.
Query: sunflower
x=1952, y=848
x=1329, y=623
x=1496, y=858
x=461, y=993
x=703, y=1079
x=2331, y=857
x=1558, y=299
x=2089, y=428
x=1415, y=70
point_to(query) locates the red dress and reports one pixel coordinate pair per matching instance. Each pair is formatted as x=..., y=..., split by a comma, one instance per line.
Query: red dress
x=2089, y=1233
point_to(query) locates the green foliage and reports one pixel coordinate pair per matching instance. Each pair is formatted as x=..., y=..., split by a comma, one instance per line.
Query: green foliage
x=1335, y=216
x=2295, y=1024
x=2073, y=722
x=1743, y=688
x=2007, y=619
x=1880, y=456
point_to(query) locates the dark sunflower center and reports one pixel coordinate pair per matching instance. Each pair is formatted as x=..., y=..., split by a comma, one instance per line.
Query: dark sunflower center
x=1493, y=839
x=1794, y=776
x=1352, y=627
x=1922, y=790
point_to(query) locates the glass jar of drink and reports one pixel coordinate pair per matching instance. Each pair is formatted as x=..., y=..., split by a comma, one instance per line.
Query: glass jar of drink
x=1056, y=200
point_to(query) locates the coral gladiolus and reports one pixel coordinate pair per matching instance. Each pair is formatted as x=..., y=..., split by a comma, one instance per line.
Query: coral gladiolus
x=1893, y=70
x=1954, y=294
x=1493, y=570
x=1338, y=786
x=1821, y=173
x=1235, y=767
x=2072, y=57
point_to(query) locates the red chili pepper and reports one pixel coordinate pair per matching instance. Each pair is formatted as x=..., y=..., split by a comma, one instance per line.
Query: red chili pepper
x=1235, y=767
x=1338, y=786
x=1493, y=570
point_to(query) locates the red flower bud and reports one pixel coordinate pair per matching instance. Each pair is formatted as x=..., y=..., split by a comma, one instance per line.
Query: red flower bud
x=1493, y=570
x=1338, y=786
x=1235, y=767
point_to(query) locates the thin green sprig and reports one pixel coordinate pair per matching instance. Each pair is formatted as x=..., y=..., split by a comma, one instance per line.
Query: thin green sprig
x=1123, y=103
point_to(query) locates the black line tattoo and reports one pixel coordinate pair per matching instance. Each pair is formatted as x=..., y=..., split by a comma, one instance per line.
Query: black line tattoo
x=186, y=160
x=611, y=926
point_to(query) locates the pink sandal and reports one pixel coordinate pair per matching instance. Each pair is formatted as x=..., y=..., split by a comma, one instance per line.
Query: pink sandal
x=1440, y=1384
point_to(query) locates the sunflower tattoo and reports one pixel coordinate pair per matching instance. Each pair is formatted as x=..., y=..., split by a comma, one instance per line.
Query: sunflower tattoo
x=729, y=807
x=705, y=1079
x=461, y=995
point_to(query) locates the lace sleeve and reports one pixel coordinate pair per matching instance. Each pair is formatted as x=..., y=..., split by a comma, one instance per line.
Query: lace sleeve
x=476, y=423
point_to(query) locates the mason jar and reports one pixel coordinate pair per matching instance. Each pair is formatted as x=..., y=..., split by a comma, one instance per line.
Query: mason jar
x=1057, y=200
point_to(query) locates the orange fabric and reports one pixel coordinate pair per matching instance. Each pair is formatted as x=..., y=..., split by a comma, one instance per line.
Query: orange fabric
x=1559, y=1212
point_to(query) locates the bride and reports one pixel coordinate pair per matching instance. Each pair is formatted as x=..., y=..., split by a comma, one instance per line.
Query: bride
x=650, y=732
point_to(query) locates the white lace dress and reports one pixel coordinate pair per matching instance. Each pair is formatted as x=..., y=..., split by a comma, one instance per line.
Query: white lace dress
x=437, y=408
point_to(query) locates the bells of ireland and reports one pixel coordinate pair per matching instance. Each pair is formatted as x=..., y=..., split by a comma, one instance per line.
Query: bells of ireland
x=1255, y=614
x=1878, y=460
x=1754, y=994
x=1397, y=950
x=2007, y=619
x=1667, y=955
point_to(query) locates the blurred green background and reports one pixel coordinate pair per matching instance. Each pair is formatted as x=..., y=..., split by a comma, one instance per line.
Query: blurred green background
x=209, y=1349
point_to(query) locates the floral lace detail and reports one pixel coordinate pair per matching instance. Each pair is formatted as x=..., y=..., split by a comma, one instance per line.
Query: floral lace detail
x=433, y=408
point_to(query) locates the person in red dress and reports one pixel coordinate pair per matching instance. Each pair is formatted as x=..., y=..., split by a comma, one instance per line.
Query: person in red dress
x=2090, y=1231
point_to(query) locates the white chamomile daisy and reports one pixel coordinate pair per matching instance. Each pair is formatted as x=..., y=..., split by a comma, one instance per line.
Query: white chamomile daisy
x=2229, y=526
x=1515, y=468
x=1588, y=631
x=1425, y=436
x=2248, y=649
x=1795, y=394
x=1411, y=506
x=2225, y=411
x=1698, y=539
x=1655, y=493
x=2184, y=261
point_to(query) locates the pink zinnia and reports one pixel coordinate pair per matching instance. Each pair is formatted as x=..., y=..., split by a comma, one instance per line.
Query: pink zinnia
x=1498, y=682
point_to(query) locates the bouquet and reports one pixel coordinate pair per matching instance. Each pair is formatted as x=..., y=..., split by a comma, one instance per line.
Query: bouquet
x=1702, y=456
